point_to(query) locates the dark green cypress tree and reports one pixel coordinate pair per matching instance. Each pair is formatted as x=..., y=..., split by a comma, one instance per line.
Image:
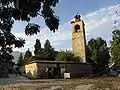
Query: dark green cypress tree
x=37, y=47
x=27, y=54
x=20, y=60
x=48, y=49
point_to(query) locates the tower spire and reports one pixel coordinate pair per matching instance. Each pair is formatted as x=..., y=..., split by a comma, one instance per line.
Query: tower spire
x=77, y=17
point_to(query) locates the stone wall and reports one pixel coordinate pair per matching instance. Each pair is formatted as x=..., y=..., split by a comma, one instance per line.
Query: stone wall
x=79, y=40
x=31, y=69
x=77, y=70
x=41, y=68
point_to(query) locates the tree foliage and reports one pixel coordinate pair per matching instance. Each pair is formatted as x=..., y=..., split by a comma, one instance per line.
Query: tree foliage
x=115, y=47
x=46, y=53
x=48, y=49
x=66, y=56
x=98, y=53
x=37, y=47
x=23, y=10
x=20, y=60
x=27, y=54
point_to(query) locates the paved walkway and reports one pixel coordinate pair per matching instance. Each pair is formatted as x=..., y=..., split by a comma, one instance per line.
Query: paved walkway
x=13, y=79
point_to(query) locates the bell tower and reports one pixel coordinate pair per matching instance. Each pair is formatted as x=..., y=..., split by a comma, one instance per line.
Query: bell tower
x=78, y=38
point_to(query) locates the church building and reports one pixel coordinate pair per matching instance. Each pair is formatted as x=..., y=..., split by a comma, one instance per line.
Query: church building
x=38, y=68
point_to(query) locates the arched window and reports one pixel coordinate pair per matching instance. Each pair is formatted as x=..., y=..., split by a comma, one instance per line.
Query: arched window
x=77, y=28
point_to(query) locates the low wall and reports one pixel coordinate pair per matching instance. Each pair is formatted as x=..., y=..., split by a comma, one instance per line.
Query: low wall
x=77, y=70
x=31, y=69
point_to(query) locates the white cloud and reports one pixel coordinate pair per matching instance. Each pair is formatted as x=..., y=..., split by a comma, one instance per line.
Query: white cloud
x=98, y=24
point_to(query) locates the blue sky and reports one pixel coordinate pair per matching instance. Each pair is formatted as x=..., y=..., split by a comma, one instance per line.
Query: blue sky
x=98, y=16
x=68, y=8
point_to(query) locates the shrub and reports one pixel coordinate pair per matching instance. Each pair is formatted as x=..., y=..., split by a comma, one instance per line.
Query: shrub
x=66, y=56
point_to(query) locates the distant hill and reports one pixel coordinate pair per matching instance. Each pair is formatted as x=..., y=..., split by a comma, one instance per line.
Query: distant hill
x=16, y=55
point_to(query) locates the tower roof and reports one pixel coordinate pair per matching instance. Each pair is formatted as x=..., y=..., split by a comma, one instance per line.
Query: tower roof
x=76, y=18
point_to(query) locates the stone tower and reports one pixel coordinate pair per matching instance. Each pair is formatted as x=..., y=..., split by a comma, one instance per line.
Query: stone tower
x=78, y=38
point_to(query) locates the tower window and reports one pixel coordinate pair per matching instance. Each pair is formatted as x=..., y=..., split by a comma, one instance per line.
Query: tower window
x=77, y=28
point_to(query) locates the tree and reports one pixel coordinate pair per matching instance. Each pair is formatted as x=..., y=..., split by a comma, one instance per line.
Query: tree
x=98, y=52
x=23, y=10
x=20, y=60
x=37, y=47
x=115, y=47
x=66, y=56
x=88, y=56
x=27, y=54
x=116, y=20
x=48, y=50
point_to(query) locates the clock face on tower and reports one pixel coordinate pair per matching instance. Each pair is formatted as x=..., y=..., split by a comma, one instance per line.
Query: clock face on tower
x=77, y=28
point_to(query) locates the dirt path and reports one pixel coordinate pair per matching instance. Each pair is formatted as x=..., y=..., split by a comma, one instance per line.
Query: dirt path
x=99, y=83
x=13, y=79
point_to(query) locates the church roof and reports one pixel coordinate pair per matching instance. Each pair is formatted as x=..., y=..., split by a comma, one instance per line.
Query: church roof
x=55, y=62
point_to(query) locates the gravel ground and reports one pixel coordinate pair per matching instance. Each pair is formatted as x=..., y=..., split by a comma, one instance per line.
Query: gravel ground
x=99, y=83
